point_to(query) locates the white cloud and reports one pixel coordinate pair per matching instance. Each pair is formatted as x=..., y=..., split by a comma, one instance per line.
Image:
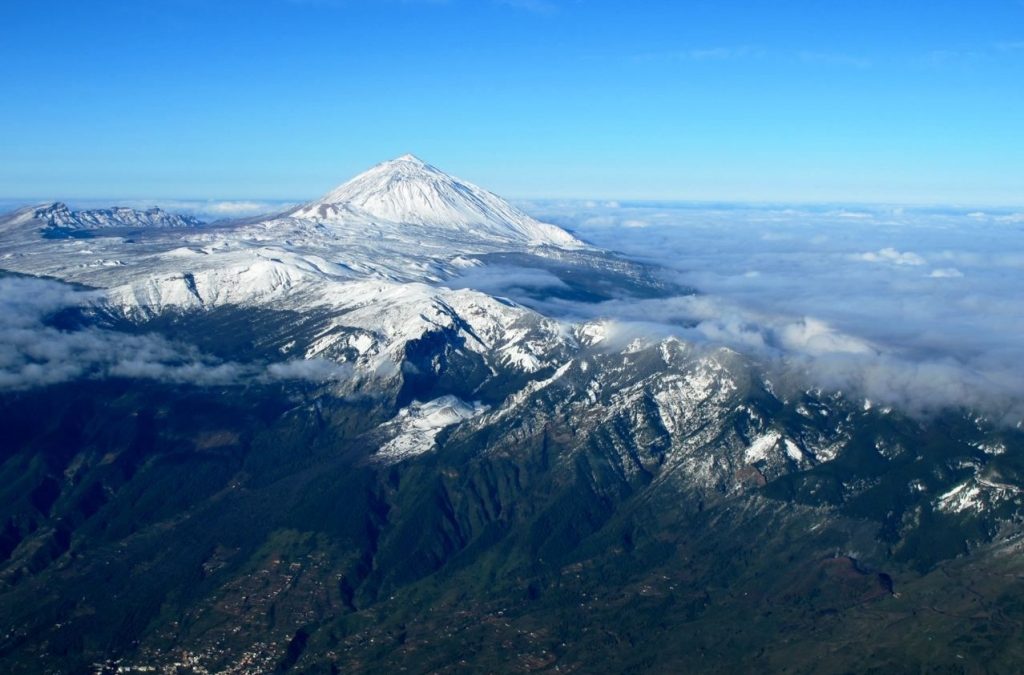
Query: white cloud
x=35, y=353
x=600, y=221
x=949, y=335
x=815, y=337
x=505, y=279
x=892, y=256
x=312, y=370
x=237, y=208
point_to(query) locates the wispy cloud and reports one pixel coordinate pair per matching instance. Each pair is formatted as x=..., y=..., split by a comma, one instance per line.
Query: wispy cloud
x=953, y=57
x=1013, y=46
x=946, y=273
x=502, y=279
x=34, y=352
x=891, y=256
x=749, y=52
x=719, y=53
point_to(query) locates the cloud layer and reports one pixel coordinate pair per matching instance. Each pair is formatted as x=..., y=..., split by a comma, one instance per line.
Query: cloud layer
x=919, y=308
x=34, y=352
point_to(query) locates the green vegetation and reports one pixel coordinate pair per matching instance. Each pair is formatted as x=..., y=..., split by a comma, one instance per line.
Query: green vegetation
x=244, y=530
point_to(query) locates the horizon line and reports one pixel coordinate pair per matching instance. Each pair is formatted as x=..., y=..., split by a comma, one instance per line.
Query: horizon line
x=608, y=202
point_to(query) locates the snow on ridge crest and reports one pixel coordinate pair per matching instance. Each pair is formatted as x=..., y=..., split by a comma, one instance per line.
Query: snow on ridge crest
x=58, y=215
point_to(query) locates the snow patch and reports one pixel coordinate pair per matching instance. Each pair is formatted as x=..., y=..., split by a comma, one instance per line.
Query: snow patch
x=960, y=499
x=759, y=448
x=794, y=452
x=416, y=427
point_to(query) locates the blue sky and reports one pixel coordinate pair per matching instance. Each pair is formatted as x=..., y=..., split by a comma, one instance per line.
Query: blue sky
x=858, y=101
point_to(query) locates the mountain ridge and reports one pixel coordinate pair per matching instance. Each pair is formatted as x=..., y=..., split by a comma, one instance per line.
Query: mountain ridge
x=59, y=215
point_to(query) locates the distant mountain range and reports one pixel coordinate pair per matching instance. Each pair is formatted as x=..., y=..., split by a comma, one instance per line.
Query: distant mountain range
x=59, y=216
x=312, y=451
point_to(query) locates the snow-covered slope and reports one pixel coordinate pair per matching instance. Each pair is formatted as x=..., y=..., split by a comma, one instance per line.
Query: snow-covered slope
x=415, y=428
x=402, y=221
x=366, y=266
x=59, y=215
x=410, y=191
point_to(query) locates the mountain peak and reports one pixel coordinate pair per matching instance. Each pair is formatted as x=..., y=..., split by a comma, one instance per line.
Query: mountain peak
x=406, y=190
x=403, y=168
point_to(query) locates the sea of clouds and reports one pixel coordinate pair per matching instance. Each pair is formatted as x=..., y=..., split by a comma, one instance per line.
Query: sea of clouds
x=915, y=307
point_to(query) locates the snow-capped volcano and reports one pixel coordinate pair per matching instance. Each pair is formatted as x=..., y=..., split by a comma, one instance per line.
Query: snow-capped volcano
x=402, y=221
x=409, y=191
